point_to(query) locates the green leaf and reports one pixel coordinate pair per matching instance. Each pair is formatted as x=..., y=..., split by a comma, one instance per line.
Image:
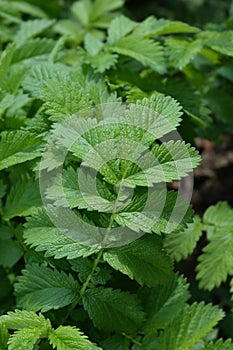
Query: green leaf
x=143, y=260
x=167, y=162
x=31, y=28
x=100, y=62
x=220, y=215
x=41, y=288
x=220, y=102
x=70, y=338
x=181, y=51
x=101, y=7
x=92, y=44
x=5, y=103
x=63, y=97
x=33, y=51
x=10, y=252
x=164, y=303
x=4, y=336
x=218, y=41
x=220, y=345
x=193, y=323
x=113, y=310
x=146, y=51
x=119, y=27
x=151, y=27
x=158, y=114
x=24, y=198
x=116, y=342
x=17, y=147
x=24, y=339
x=182, y=243
x=44, y=236
x=161, y=212
x=25, y=319
x=216, y=261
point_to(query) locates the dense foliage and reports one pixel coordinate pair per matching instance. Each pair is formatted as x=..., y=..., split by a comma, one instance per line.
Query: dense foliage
x=60, y=293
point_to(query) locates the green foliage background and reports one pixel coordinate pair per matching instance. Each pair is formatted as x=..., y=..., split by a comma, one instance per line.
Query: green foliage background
x=58, y=58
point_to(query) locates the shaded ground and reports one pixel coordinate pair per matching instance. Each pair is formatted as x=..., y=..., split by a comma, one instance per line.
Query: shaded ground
x=214, y=177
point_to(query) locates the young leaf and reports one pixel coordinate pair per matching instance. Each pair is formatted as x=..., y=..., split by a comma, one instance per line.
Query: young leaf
x=220, y=345
x=182, y=243
x=113, y=310
x=24, y=339
x=193, y=323
x=70, y=338
x=143, y=260
x=17, y=147
x=41, y=288
x=25, y=319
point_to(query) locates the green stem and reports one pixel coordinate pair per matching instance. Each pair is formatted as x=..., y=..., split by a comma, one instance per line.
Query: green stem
x=131, y=339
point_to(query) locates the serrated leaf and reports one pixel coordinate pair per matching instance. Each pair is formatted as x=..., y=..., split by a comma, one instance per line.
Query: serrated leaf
x=70, y=338
x=220, y=345
x=167, y=162
x=193, y=323
x=17, y=147
x=25, y=319
x=161, y=212
x=151, y=27
x=33, y=51
x=113, y=310
x=181, y=51
x=143, y=260
x=164, y=303
x=31, y=28
x=158, y=114
x=44, y=236
x=182, y=243
x=216, y=261
x=24, y=339
x=149, y=52
x=41, y=288
x=218, y=41
x=119, y=27
x=63, y=98
x=23, y=199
